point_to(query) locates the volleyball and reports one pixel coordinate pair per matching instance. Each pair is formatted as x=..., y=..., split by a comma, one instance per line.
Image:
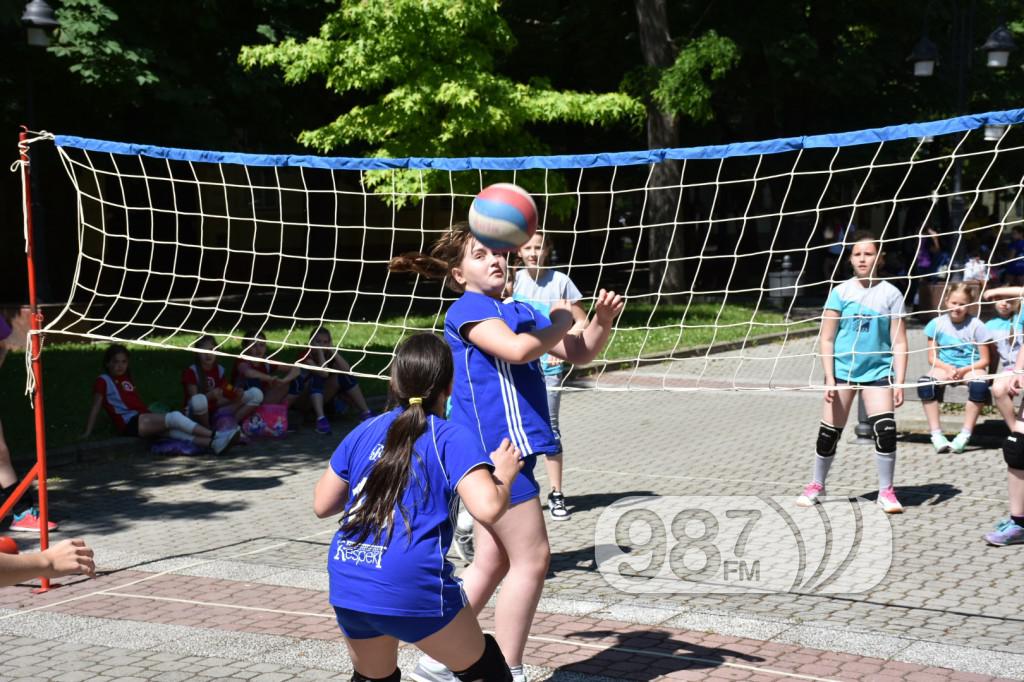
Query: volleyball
x=503, y=216
x=8, y=546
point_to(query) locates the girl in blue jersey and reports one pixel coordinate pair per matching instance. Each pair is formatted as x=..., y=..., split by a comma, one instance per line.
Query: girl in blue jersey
x=863, y=346
x=500, y=393
x=396, y=478
x=958, y=351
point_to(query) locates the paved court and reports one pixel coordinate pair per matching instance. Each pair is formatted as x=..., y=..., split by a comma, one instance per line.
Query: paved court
x=214, y=568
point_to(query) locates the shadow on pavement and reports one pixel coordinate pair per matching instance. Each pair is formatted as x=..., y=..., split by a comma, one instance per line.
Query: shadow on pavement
x=627, y=656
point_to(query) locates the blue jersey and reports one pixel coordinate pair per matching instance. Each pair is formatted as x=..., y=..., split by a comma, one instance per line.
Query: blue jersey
x=409, y=575
x=863, y=343
x=958, y=343
x=495, y=398
x=1007, y=333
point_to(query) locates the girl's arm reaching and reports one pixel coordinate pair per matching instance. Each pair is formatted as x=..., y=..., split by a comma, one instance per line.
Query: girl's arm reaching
x=583, y=348
x=497, y=339
x=1004, y=292
x=94, y=411
x=486, y=494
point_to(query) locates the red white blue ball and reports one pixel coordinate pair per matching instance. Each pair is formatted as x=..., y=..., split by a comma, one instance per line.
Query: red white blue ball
x=503, y=217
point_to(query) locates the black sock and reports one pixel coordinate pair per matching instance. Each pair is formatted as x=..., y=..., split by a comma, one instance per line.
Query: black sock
x=1019, y=520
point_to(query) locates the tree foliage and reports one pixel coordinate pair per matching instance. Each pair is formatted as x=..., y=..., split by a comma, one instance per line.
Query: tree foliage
x=97, y=57
x=431, y=85
x=685, y=87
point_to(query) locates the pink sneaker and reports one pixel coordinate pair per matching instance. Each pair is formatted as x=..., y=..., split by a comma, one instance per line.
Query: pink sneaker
x=810, y=495
x=888, y=502
x=28, y=522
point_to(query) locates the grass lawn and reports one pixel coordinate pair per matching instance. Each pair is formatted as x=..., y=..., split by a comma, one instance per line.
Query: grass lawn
x=70, y=369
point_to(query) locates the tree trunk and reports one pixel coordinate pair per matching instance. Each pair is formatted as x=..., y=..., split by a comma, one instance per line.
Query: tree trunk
x=658, y=51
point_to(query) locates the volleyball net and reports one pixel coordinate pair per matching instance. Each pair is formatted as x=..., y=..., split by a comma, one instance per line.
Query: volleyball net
x=725, y=254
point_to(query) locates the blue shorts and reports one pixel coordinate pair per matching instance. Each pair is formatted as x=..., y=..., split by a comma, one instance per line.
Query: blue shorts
x=317, y=383
x=525, y=485
x=361, y=625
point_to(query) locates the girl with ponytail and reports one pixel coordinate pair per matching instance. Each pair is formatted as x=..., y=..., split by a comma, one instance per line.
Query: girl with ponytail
x=396, y=479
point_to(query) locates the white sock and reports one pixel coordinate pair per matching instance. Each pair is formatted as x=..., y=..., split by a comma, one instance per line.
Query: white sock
x=821, y=467
x=517, y=671
x=936, y=432
x=965, y=432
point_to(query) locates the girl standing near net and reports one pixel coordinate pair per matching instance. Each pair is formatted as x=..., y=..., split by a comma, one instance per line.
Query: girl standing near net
x=958, y=351
x=114, y=391
x=541, y=287
x=863, y=348
x=397, y=477
x=499, y=393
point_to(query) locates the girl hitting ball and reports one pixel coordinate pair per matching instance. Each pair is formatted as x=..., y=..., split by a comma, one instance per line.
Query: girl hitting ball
x=863, y=348
x=499, y=393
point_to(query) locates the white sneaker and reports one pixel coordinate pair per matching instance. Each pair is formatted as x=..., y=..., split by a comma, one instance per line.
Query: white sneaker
x=222, y=440
x=809, y=497
x=959, y=443
x=940, y=443
x=429, y=670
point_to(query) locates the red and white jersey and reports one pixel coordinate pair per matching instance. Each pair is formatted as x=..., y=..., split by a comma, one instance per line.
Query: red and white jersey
x=120, y=399
x=204, y=381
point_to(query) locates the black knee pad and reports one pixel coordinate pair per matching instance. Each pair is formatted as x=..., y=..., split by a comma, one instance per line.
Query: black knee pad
x=926, y=390
x=883, y=429
x=828, y=438
x=1013, y=450
x=977, y=391
x=393, y=677
x=490, y=668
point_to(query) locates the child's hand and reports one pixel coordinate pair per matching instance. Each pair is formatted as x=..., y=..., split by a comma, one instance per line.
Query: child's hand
x=607, y=306
x=507, y=461
x=1016, y=384
x=69, y=557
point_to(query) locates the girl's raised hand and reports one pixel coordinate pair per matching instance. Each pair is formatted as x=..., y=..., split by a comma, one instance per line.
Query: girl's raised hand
x=607, y=306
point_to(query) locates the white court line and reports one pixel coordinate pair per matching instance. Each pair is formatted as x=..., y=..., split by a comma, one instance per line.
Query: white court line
x=799, y=486
x=538, y=638
x=112, y=590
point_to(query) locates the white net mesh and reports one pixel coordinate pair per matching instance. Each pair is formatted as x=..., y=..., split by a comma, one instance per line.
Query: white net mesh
x=725, y=255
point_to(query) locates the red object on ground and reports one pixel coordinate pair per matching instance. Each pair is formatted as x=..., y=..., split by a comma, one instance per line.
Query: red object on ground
x=8, y=546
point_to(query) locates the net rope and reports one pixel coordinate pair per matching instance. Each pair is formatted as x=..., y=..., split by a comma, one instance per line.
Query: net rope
x=748, y=241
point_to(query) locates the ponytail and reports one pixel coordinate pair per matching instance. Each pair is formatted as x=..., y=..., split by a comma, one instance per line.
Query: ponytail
x=421, y=373
x=446, y=253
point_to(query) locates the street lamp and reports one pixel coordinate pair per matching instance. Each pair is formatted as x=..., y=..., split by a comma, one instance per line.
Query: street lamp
x=39, y=22
x=924, y=56
x=998, y=47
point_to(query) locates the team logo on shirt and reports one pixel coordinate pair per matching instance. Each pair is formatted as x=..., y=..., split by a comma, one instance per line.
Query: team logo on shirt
x=360, y=555
x=127, y=386
x=377, y=452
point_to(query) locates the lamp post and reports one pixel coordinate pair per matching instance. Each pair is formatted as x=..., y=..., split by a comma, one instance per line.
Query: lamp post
x=925, y=56
x=40, y=24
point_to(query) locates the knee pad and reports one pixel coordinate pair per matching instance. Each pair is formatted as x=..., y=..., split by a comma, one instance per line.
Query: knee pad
x=977, y=391
x=252, y=397
x=393, y=677
x=883, y=428
x=490, y=668
x=1013, y=450
x=198, y=404
x=926, y=390
x=828, y=439
x=178, y=422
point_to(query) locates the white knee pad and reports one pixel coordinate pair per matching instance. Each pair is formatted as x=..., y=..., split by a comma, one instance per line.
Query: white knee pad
x=252, y=397
x=198, y=404
x=176, y=421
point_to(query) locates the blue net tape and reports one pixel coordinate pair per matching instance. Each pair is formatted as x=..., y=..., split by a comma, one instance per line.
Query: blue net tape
x=508, y=163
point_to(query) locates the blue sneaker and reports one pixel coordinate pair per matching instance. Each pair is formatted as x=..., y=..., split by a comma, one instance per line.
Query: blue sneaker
x=323, y=426
x=1006, y=533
